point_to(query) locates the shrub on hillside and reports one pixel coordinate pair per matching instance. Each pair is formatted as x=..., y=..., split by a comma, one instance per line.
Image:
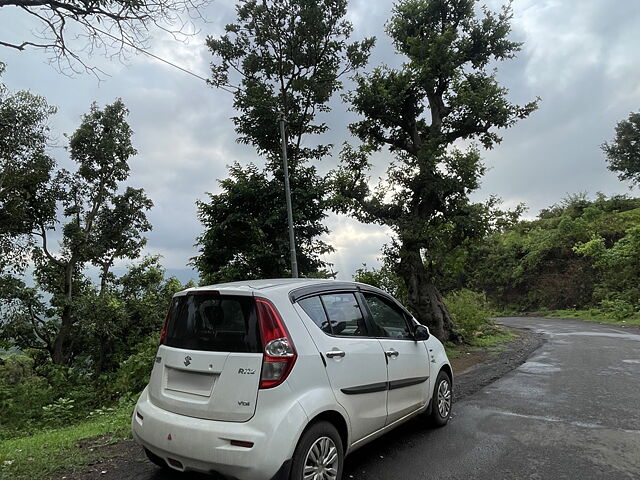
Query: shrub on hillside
x=59, y=413
x=618, y=309
x=22, y=394
x=133, y=373
x=470, y=312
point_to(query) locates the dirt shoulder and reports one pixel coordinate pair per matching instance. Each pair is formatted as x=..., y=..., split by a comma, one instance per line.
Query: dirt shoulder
x=473, y=370
x=494, y=362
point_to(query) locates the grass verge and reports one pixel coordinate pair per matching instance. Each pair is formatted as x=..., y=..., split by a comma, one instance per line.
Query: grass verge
x=41, y=455
x=591, y=315
x=595, y=315
x=492, y=343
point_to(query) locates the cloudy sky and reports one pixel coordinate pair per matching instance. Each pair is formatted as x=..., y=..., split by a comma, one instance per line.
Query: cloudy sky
x=582, y=59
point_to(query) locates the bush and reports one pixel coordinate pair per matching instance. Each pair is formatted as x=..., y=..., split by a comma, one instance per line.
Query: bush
x=59, y=413
x=22, y=395
x=470, y=312
x=618, y=309
x=133, y=373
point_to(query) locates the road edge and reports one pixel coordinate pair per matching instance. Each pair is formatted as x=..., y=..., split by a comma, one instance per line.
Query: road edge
x=515, y=354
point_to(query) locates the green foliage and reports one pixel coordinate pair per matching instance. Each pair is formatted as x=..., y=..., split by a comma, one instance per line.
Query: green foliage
x=575, y=255
x=78, y=349
x=133, y=373
x=383, y=278
x=598, y=315
x=618, y=309
x=617, y=265
x=246, y=232
x=100, y=224
x=623, y=153
x=22, y=394
x=285, y=56
x=59, y=413
x=424, y=198
x=47, y=451
x=470, y=312
x=278, y=58
x=117, y=340
x=26, y=202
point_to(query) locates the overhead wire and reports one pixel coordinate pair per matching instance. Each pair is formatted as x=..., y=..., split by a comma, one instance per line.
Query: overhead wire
x=142, y=50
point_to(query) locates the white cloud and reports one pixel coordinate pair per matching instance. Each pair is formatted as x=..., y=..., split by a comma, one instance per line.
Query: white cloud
x=355, y=244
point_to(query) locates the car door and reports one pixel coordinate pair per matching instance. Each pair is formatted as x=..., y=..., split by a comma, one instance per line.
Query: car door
x=407, y=360
x=355, y=364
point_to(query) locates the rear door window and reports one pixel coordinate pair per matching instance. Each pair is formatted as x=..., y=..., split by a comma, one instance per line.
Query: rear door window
x=343, y=312
x=312, y=306
x=214, y=323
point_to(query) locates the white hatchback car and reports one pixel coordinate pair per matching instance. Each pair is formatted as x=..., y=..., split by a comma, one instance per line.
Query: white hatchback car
x=281, y=379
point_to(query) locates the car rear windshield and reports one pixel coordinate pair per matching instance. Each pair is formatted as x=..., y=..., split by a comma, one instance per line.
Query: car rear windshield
x=213, y=323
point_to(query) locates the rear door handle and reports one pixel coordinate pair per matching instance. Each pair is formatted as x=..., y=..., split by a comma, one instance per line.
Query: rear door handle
x=335, y=353
x=391, y=353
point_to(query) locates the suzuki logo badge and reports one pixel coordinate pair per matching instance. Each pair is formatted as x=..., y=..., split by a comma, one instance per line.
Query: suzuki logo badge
x=187, y=361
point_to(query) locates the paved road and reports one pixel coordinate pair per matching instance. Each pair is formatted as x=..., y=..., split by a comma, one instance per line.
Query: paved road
x=572, y=411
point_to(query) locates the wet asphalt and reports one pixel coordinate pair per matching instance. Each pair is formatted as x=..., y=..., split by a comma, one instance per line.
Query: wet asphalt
x=570, y=411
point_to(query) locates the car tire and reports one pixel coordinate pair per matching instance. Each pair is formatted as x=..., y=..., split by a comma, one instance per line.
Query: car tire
x=319, y=449
x=153, y=458
x=442, y=400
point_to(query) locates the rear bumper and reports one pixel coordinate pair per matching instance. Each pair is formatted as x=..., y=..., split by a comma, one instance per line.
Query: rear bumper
x=205, y=445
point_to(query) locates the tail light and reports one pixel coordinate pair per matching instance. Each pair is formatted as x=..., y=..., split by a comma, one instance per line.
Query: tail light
x=163, y=333
x=279, y=352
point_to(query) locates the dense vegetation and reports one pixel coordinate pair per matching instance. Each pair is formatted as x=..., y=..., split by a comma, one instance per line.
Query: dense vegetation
x=582, y=254
x=579, y=254
x=74, y=336
x=280, y=58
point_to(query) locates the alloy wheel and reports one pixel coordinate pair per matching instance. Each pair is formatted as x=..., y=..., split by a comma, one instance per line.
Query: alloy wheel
x=444, y=398
x=321, y=462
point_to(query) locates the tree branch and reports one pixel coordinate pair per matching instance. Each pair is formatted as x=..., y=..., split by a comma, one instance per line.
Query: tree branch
x=22, y=45
x=43, y=234
x=129, y=21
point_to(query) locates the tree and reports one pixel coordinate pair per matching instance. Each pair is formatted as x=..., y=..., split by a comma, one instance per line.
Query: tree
x=444, y=94
x=129, y=312
x=623, y=153
x=280, y=57
x=25, y=171
x=384, y=278
x=100, y=226
x=110, y=27
x=245, y=227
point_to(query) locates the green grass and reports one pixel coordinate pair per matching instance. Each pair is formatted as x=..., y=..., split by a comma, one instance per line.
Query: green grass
x=593, y=315
x=590, y=315
x=40, y=455
x=492, y=343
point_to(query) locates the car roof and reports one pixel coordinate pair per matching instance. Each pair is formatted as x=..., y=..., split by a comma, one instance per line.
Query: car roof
x=295, y=287
x=248, y=286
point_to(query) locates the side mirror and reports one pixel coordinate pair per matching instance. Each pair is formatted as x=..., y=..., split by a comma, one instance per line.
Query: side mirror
x=420, y=333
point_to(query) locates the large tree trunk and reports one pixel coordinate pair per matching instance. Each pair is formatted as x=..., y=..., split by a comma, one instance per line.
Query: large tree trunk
x=424, y=299
x=61, y=345
x=61, y=348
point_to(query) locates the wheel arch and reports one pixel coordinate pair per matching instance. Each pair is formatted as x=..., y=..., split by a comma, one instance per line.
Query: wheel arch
x=447, y=368
x=336, y=419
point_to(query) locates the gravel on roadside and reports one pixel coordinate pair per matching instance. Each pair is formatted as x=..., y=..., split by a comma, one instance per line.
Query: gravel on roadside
x=515, y=354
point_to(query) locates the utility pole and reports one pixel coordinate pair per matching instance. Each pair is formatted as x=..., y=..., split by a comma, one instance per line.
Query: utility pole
x=287, y=194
